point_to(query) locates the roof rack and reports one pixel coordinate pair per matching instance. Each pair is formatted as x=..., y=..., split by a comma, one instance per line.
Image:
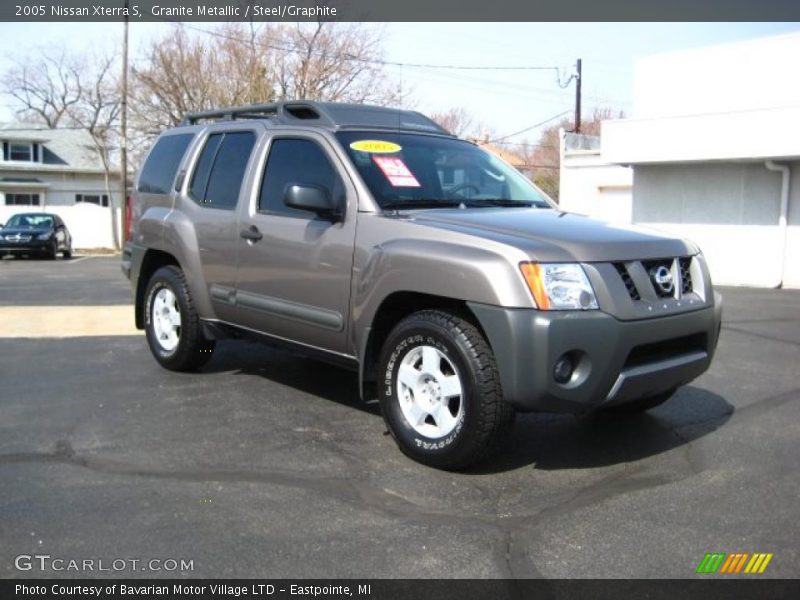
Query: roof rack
x=333, y=115
x=252, y=111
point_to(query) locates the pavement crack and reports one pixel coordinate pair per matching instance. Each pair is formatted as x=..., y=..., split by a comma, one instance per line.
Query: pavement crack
x=762, y=336
x=360, y=493
x=765, y=404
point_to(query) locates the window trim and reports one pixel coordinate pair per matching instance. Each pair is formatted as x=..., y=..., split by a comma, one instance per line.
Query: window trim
x=32, y=195
x=102, y=199
x=27, y=145
x=330, y=154
x=202, y=140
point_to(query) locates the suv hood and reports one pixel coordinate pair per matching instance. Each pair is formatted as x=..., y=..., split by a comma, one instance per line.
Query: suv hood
x=550, y=235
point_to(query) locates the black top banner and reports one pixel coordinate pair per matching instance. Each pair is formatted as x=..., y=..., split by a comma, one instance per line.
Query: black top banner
x=399, y=10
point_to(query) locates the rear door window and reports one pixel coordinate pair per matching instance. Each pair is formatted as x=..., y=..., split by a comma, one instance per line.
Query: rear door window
x=217, y=179
x=159, y=171
x=197, y=190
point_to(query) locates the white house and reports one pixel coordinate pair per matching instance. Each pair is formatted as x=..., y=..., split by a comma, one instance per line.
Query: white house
x=58, y=171
x=714, y=143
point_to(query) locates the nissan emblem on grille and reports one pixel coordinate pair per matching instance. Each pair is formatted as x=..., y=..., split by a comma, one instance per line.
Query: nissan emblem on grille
x=662, y=279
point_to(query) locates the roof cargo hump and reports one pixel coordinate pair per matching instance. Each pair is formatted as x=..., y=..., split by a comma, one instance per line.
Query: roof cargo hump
x=331, y=115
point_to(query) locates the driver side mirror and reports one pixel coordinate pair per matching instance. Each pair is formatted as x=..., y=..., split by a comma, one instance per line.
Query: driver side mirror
x=313, y=198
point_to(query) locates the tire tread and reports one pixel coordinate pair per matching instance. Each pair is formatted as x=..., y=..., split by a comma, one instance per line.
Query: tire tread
x=495, y=414
x=194, y=349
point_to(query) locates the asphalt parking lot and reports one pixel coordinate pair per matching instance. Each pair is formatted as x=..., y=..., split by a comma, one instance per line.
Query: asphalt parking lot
x=266, y=464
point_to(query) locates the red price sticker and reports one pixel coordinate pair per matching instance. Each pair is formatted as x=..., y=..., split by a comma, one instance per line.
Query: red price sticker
x=396, y=171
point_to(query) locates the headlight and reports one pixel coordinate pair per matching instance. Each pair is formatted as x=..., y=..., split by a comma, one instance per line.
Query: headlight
x=44, y=236
x=559, y=286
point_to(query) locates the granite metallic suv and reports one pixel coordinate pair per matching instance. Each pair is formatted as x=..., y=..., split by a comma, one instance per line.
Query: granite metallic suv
x=372, y=238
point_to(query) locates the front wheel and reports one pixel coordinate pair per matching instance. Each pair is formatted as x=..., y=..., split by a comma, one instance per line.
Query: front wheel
x=440, y=391
x=172, y=324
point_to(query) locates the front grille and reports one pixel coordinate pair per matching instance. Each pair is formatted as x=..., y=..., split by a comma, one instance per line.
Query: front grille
x=660, y=272
x=650, y=266
x=686, y=276
x=650, y=353
x=626, y=279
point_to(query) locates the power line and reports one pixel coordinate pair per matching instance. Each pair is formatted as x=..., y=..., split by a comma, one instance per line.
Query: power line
x=492, y=84
x=378, y=61
x=527, y=145
x=553, y=118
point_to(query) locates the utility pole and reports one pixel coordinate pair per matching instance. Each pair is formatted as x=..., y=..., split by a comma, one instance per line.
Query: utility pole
x=123, y=123
x=578, y=98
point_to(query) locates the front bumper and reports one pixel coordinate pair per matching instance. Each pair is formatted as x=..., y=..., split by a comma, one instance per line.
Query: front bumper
x=32, y=246
x=615, y=361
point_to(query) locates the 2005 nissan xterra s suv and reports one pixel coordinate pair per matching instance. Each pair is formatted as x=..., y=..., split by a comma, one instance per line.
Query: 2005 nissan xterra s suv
x=371, y=237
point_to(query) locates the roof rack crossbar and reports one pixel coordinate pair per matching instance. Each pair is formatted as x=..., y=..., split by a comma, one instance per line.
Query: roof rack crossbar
x=249, y=111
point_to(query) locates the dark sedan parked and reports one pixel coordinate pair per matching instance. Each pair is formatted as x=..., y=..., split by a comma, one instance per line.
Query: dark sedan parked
x=42, y=234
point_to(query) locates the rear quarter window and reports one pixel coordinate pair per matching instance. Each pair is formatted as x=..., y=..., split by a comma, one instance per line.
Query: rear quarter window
x=158, y=173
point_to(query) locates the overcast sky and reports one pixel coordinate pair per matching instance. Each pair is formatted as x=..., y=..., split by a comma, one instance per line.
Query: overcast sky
x=506, y=101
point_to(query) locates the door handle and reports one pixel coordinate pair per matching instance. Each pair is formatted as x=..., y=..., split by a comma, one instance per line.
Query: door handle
x=251, y=234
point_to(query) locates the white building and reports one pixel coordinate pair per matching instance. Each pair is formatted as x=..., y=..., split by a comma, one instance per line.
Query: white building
x=714, y=144
x=591, y=185
x=58, y=171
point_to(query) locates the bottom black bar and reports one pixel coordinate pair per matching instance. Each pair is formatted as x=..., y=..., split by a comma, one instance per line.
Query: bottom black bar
x=707, y=588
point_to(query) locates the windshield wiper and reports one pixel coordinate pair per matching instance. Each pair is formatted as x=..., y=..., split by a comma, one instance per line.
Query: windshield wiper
x=477, y=202
x=420, y=203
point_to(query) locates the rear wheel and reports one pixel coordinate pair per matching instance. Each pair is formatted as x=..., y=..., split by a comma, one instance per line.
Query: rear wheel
x=440, y=391
x=171, y=323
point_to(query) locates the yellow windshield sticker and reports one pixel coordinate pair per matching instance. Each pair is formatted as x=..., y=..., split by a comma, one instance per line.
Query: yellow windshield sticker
x=376, y=146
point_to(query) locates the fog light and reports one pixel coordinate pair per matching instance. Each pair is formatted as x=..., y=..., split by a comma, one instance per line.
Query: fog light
x=562, y=371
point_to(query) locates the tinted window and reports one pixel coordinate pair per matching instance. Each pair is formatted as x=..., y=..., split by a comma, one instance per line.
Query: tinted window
x=220, y=169
x=197, y=189
x=295, y=161
x=161, y=167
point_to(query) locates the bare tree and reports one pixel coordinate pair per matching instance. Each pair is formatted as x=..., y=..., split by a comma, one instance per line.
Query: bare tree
x=177, y=76
x=237, y=63
x=66, y=90
x=332, y=61
x=44, y=88
x=455, y=120
x=97, y=111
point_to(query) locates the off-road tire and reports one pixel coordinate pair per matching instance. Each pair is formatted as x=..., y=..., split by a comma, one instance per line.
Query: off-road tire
x=485, y=417
x=193, y=350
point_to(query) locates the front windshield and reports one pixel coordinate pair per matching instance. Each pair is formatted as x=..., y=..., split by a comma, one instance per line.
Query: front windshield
x=423, y=171
x=30, y=222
